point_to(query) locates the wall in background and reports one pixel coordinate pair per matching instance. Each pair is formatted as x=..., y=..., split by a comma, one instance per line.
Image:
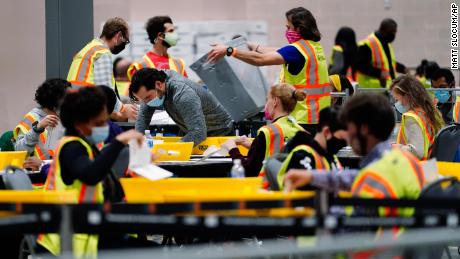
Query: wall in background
x=22, y=57
x=423, y=30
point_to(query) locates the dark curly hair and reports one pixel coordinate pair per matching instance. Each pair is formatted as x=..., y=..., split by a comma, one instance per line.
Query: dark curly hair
x=49, y=94
x=145, y=77
x=156, y=25
x=303, y=20
x=80, y=106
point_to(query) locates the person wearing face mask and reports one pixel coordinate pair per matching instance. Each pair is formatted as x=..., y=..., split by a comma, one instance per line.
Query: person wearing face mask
x=93, y=65
x=420, y=121
x=443, y=78
x=303, y=60
x=194, y=109
x=320, y=152
x=376, y=63
x=385, y=172
x=33, y=133
x=162, y=35
x=270, y=139
x=79, y=164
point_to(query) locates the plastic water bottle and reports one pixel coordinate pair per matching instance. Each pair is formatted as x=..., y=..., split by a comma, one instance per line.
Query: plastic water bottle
x=237, y=169
x=160, y=133
x=148, y=139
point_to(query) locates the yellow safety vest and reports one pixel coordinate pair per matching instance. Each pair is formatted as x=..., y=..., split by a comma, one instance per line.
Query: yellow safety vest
x=397, y=175
x=321, y=163
x=425, y=126
x=379, y=60
x=175, y=64
x=123, y=87
x=25, y=126
x=84, y=245
x=276, y=135
x=313, y=80
x=456, y=110
x=81, y=72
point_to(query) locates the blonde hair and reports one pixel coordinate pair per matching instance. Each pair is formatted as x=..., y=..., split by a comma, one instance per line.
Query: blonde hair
x=288, y=96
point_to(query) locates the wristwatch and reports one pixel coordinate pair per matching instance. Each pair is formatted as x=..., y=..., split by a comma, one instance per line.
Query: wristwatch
x=229, y=51
x=36, y=129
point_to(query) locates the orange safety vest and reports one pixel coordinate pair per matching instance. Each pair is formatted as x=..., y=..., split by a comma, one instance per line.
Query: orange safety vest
x=175, y=64
x=313, y=80
x=426, y=127
x=25, y=126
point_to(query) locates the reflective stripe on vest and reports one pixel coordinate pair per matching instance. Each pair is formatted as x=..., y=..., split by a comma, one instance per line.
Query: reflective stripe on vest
x=81, y=69
x=456, y=111
x=425, y=126
x=87, y=194
x=397, y=174
x=321, y=162
x=175, y=64
x=379, y=60
x=313, y=80
x=275, y=135
x=25, y=126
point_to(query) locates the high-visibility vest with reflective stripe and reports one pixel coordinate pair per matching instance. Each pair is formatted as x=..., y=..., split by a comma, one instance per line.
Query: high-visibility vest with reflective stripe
x=397, y=175
x=379, y=60
x=176, y=64
x=25, y=126
x=276, y=135
x=425, y=126
x=456, y=110
x=84, y=245
x=313, y=80
x=81, y=72
x=321, y=163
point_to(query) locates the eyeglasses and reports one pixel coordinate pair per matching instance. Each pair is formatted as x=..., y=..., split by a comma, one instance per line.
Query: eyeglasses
x=124, y=39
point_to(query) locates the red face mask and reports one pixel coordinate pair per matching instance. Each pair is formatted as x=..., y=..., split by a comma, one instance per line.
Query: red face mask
x=292, y=36
x=268, y=116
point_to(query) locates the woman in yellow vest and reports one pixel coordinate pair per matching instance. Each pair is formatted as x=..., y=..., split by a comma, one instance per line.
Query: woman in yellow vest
x=320, y=152
x=79, y=165
x=270, y=139
x=162, y=35
x=344, y=53
x=303, y=60
x=420, y=120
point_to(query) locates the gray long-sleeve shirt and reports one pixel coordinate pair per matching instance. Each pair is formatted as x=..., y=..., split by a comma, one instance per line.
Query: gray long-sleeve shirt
x=342, y=180
x=194, y=109
x=26, y=141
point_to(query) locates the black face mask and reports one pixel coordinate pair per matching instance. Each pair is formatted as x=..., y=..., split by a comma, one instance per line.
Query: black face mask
x=390, y=37
x=118, y=48
x=334, y=145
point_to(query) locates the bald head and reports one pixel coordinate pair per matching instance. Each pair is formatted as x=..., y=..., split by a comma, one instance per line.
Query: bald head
x=387, y=29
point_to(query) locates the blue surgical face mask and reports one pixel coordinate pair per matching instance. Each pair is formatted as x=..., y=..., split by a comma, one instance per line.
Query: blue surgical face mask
x=156, y=102
x=400, y=108
x=99, y=134
x=442, y=96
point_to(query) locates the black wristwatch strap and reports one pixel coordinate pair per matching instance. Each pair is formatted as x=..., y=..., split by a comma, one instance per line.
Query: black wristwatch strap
x=229, y=51
x=36, y=129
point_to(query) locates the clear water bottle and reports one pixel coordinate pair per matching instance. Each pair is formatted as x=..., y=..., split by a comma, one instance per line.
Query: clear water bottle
x=237, y=169
x=160, y=133
x=148, y=139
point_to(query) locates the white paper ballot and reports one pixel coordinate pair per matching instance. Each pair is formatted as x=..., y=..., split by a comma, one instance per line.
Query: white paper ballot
x=139, y=162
